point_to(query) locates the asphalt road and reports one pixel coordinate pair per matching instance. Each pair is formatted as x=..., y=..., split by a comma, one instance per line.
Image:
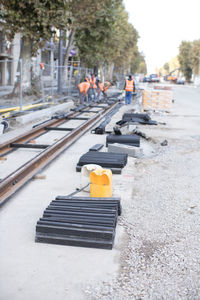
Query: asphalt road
x=187, y=100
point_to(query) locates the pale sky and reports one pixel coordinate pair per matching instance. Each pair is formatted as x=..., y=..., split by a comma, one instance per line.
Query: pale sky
x=162, y=25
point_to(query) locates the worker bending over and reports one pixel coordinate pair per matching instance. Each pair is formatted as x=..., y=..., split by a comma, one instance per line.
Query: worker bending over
x=83, y=90
x=103, y=88
x=129, y=87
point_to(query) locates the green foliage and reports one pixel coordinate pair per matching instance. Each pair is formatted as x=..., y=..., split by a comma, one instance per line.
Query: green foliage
x=185, y=59
x=110, y=39
x=166, y=67
x=196, y=56
x=102, y=32
x=93, y=42
x=34, y=19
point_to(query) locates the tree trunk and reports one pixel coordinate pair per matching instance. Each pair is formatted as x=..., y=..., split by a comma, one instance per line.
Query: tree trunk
x=110, y=72
x=25, y=55
x=101, y=72
x=69, y=45
x=66, y=56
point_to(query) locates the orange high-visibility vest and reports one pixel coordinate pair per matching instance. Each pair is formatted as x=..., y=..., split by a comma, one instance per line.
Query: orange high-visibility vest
x=104, y=86
x=129, y=85
x=87, y=79
x=101, y=86
x=41, y=66
x=84, y=87
x=93, y=83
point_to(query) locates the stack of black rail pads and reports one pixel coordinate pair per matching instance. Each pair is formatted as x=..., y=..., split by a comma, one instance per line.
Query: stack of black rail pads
x=144, y=119
x=113, y=161
x=79, y=221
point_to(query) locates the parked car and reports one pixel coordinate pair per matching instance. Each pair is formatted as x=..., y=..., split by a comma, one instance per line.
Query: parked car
x=180, y=81
x=146, y=79
x=154, y=78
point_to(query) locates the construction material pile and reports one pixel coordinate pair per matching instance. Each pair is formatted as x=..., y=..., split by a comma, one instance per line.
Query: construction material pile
x=160, y=100
x=79, y=221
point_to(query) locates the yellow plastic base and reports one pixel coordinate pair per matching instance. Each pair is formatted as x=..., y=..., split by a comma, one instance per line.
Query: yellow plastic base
x=101, y=183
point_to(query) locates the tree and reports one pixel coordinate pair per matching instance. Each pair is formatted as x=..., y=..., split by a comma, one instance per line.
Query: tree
x=82, y=14
x=112, y=40
x=166, y=67
x=34, y=19
x=142, y=68
x=185, y=59
x=196, y=57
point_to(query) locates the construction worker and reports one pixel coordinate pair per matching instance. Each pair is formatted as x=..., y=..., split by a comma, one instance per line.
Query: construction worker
x=93, y=86
x=88, y=79
x=129, y=87
x=83, y=90
x=102, y=88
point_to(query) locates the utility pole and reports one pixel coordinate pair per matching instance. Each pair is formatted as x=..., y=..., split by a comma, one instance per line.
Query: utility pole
x=60, y=62
x=52, y=68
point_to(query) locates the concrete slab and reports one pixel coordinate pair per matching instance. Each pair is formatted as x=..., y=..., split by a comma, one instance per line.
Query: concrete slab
x=47, y=113
x=1, y=128
x=30, y=270
x=125, y=149
x=31, y=119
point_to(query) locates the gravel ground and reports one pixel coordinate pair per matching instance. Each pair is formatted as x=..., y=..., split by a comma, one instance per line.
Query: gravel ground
x=160, y=259
x=160, y=254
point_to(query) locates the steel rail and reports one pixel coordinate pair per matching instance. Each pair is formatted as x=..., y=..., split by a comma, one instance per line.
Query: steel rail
x=14, y=181
x=5, y=147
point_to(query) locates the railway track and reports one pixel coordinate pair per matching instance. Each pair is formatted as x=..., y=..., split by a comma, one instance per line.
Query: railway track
x=87, y=116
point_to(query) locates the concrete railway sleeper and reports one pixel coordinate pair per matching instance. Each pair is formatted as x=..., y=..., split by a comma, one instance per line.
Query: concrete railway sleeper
x=14, y=181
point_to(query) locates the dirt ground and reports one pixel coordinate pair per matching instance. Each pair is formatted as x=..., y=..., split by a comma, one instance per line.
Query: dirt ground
x=156, y=252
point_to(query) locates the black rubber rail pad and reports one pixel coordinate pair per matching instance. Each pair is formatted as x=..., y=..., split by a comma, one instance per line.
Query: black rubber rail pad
x=138, y=118
x=92, y=200
x=129, y=116
x=76, y=205
x=83, y=214
x=74, y=241
x=67, y=231
x=104, y=159
x=82, y=209
x=85, y=204
x=114, y=170
x=96, y=147
x=132, y=139
x=85, y=217
x=74, y=225
x=83, y=221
